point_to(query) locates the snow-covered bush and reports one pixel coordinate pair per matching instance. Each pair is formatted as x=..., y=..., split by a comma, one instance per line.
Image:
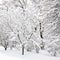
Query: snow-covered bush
x=29, y=46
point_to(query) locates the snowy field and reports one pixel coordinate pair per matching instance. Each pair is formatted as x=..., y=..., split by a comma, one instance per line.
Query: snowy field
x=16, y=55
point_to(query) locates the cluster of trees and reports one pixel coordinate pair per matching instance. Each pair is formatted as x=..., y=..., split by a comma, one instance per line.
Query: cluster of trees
x=30, y=25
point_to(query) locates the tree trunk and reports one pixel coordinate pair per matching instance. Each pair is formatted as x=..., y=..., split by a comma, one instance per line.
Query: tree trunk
x=41, y=35
x=6, y=44
x=22, y=49
x=41, y=31
x=5, y=48
x=37, y=49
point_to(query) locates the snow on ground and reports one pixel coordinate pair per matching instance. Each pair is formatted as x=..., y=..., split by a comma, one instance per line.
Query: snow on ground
x=16, y=55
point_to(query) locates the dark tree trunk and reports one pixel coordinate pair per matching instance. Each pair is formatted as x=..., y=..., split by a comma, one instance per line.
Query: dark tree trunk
x=5, y=49
x=19, y=38
x=22, y=49
x=41, y=35
x=6, y=44
x=41, y=32
x=42, y=47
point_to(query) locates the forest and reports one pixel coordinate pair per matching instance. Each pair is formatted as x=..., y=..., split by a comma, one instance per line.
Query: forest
x=30, y=25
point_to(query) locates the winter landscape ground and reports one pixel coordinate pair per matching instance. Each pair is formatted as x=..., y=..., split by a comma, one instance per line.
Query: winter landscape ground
x=16, y=55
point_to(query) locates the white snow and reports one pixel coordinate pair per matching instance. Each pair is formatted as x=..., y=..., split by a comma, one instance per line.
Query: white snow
x=16, y=55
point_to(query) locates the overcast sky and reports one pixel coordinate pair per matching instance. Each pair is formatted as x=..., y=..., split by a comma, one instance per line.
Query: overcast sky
x=0, y=1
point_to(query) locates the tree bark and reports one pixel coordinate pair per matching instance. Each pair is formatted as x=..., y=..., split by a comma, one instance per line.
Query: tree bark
x=22, y=49
x=41, y=31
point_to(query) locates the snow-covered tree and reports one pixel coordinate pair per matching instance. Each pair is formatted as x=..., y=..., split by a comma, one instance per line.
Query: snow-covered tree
x=32, y=24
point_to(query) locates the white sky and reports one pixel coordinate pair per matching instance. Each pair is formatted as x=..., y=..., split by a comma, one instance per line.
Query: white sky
x=0, y=1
